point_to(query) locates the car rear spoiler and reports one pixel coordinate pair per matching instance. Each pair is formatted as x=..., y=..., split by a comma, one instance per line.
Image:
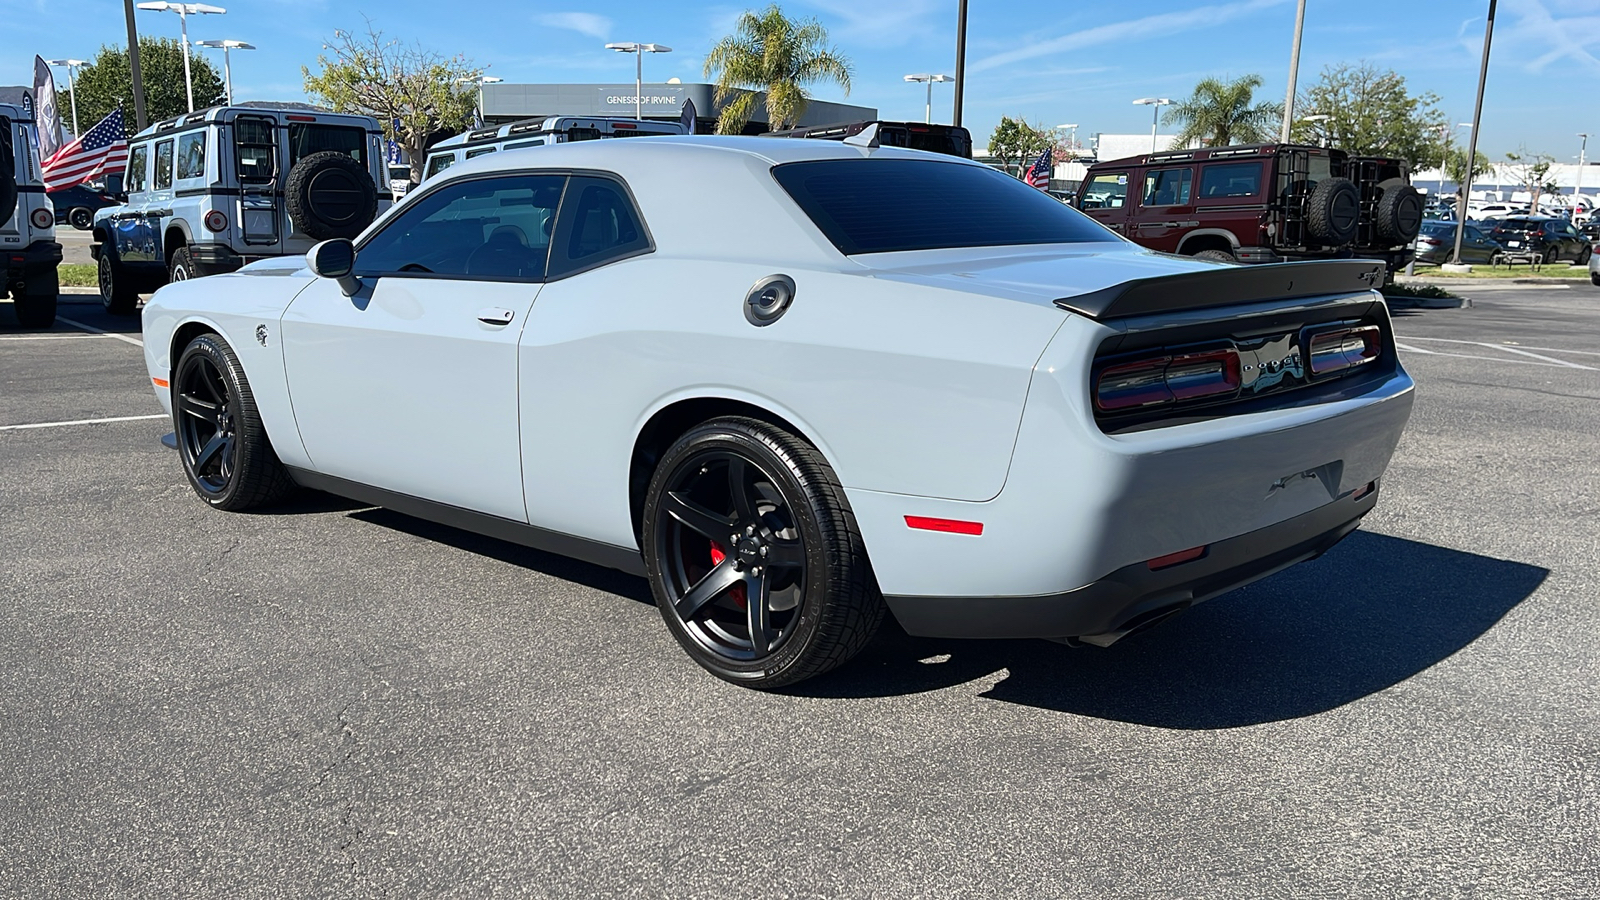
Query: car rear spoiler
x=1227, y=286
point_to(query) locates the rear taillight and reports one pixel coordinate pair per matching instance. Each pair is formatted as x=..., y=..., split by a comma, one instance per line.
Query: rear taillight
x=1169, y=378
x=1342, y=348
x=43, y=218
x=216, y=220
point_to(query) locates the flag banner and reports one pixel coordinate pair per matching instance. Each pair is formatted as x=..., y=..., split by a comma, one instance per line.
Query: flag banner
x=46, y=114
x=102, y=150
x=688, y=121
x=1039, y=173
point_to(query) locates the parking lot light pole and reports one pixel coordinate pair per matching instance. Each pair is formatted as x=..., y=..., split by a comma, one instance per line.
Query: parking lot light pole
x=72, y=89
x=227, y=64
x=1157, y=103
x=1577, y=187
x=927, y=113
x=1472, y=142
x=638, y=50
x=184, y=11
x=1294, y=69
x=1072, y=141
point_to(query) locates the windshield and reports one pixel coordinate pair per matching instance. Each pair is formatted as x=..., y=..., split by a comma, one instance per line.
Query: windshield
x=884, y=205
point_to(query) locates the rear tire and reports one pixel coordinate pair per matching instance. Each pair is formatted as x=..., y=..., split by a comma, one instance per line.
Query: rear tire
x=1333, y=211
x=1551, y=254
x=118, y=293
x=754, y=555
x=81, y=218
x=222, y=442
x=35, y=301
x=182, y=266
x=1221, y=256
x=1398, y=217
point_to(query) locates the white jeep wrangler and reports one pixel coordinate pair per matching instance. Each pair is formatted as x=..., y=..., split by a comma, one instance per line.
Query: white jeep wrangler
x=212, y=190
x=29, y=254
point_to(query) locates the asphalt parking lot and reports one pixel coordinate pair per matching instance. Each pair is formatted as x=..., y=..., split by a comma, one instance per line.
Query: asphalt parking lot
x=336, y=701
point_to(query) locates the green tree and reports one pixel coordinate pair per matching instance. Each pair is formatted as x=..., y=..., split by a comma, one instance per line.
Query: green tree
x=1372, y=113
x=1532, y=171
x=1220, y=113
x=425, y=92
x=1016, y=141
x=107, y=83
x=773, y=53
x=1455, y=167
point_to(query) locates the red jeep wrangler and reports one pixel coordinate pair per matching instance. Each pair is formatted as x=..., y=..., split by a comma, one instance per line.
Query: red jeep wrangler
x=1258, y=203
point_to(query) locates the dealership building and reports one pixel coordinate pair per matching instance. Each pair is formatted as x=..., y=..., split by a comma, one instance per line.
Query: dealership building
x=508, y=102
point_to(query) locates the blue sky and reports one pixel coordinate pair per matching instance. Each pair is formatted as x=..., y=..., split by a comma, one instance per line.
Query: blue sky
x=1055, y=62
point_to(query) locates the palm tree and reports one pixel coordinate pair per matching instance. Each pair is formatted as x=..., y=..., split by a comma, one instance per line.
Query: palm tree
x=1219, y=113
x=773, y=53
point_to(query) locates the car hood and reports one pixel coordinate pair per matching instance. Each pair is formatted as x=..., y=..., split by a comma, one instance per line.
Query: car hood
x=1039, y=274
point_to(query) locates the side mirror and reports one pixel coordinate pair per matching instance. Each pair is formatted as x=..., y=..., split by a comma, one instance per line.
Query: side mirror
x=335, y=259
x=113, y=185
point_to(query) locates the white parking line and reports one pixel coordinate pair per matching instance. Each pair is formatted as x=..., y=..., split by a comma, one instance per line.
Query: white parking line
x=93, y=330
x=53, y=337
x=1542, y=360
x=81, y=422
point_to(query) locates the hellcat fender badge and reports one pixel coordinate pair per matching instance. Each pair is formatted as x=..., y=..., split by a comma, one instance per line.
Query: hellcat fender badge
x=261, y=335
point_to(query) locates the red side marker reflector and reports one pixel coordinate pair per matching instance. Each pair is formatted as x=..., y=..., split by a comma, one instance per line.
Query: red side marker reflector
x=160, y=382
x=1362, y=492
x=950, y=526
x=1173, y=559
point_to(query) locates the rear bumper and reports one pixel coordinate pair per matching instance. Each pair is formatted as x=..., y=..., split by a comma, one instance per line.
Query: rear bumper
x=1134, y=595
x=36, y=257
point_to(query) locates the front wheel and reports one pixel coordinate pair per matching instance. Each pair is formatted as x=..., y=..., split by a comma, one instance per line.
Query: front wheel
x=223, y=444
x=1583, y=258
x=118, y=294
x=754, y=555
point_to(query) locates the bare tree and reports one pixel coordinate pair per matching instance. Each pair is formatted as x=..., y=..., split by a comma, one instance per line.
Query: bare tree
x=412, y=92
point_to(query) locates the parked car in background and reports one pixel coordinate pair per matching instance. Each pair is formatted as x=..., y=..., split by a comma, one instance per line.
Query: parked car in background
x=1437, y=241
x=538, y=131
x=1258, y=203
x=1553, y=239
x=399, y=180
x=952, y=140
x=76, y=206
x=30, y=256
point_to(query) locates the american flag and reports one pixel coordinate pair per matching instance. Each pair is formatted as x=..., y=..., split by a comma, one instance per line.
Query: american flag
x=101, y=150
x=1039, y=173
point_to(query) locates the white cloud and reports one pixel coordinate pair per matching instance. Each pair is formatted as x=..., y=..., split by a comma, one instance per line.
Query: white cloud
x=598, y=27
x=1164, y=24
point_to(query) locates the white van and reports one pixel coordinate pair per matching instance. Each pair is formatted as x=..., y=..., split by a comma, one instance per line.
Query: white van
x=536, y=132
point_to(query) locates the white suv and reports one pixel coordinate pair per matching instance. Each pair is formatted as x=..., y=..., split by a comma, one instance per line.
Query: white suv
x=215, y=189
x=29, y=254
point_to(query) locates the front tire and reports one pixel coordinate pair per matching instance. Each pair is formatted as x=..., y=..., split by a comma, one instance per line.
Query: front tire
x=222, y=442
x=754, y=555
x=118, y=293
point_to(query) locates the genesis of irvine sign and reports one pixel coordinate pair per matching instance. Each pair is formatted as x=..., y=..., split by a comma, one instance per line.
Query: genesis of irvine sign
x=661, y=100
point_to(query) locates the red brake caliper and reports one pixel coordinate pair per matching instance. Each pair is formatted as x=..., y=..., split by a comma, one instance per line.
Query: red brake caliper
x=737, y=591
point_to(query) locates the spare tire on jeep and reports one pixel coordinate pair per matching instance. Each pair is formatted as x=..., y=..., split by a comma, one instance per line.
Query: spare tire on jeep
x=8, y=172
x=330, y=195
x=1398, y=215
x=1333, y=211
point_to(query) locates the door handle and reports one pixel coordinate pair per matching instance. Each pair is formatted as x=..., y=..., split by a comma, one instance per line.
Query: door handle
x=495, y=316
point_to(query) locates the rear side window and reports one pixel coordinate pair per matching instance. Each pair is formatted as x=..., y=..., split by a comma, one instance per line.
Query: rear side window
x=192, y=155
x=438, y=164
x=138, y=169
x=883, y=205
x=600, y=225
x=481, y=151
x=1106, y=191
x=1230, y=180
x=163, y=176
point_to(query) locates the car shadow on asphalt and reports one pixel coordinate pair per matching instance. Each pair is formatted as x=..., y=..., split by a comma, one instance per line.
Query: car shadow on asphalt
x=566, y=568
x=1370, y=614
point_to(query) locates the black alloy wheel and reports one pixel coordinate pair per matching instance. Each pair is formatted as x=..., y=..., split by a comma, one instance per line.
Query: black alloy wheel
x=1551, y=254
x=80, y=218
x=754, y=556
x=221, y=440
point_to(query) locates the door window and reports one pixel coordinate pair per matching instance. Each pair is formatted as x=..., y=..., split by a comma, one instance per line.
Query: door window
x=257, y=150
x=483, y=228
x=1107, y=191
x=1167, y=187
x=600, y=225
x=1225, y=180
x=138, y=169
x=192, y=155
x=163, y=175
